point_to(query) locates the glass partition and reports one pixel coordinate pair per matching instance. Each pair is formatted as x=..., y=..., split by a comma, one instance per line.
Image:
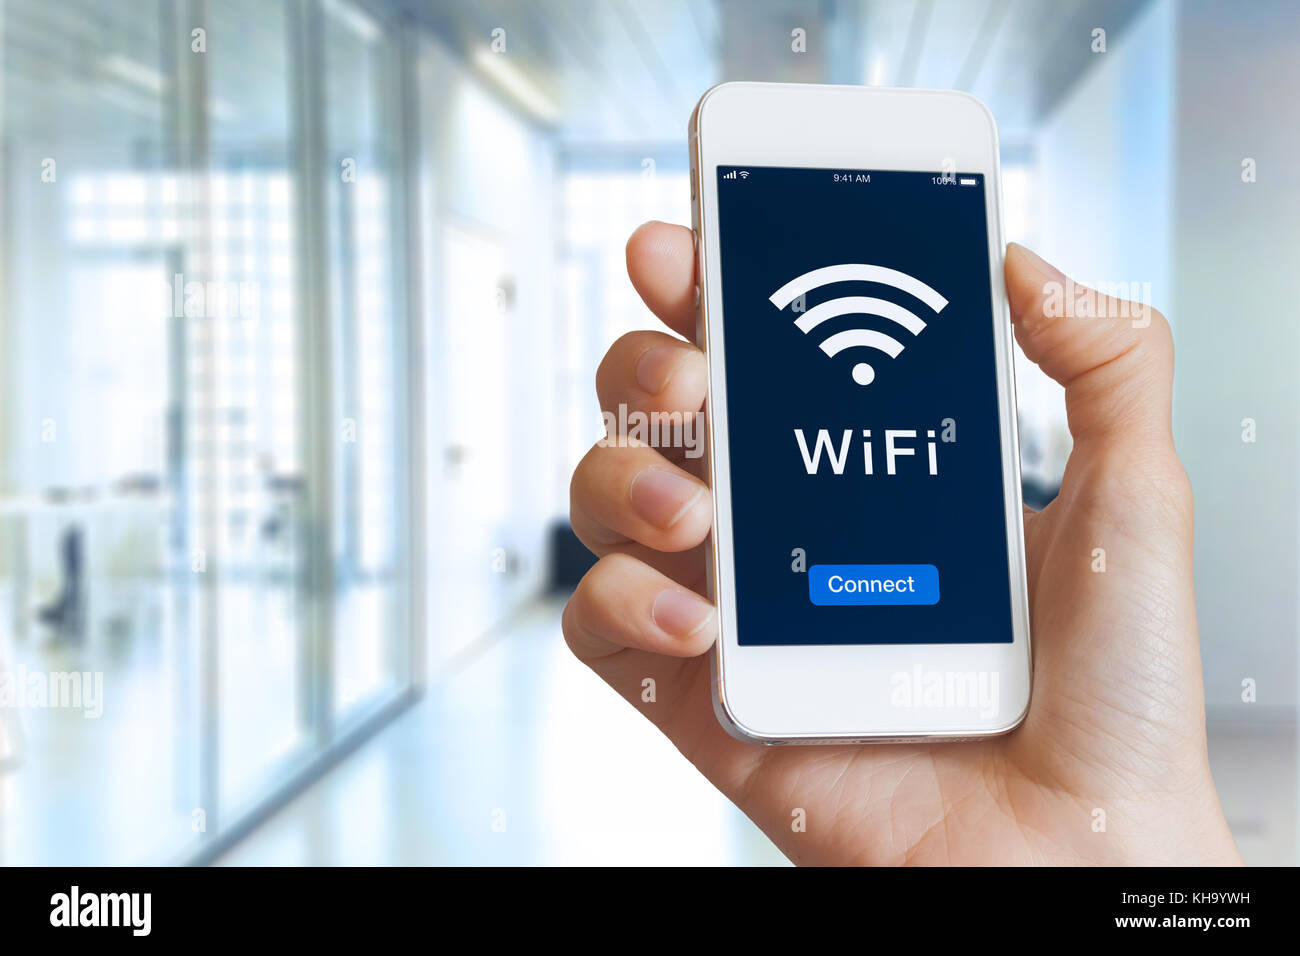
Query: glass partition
x=203, y=493
x=362, y=177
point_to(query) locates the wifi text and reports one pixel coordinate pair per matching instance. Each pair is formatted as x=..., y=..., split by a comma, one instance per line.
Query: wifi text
x=898, y=443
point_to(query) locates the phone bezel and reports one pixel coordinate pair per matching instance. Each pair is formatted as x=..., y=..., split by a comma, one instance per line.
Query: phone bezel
x=836, y=693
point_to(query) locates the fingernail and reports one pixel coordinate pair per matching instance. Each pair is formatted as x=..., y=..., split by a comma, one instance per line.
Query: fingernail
x=1040, y=265
x=661, y=497
x=681, y=613
x=656, y=366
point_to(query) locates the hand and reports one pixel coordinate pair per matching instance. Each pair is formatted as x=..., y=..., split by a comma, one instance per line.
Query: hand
x=1117, y=721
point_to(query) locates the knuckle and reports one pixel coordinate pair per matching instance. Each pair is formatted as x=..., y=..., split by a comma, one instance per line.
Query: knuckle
x=612, y=565
x=614, y=374
x=582, y=613
x=1140, y=489
x=612, y=363
x=567, y=626
x=1160, y=327
x=581, y=490
x=571, y=622
x=628, y=341
x=586, y=595
x=1158, y=338
x=582, y=531
x=577, y=481
x=1180, y=486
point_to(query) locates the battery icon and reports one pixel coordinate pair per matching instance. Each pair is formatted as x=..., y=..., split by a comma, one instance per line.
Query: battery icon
x=965, y=181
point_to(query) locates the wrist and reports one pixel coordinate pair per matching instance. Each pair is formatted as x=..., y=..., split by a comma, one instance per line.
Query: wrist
x=1165, y=832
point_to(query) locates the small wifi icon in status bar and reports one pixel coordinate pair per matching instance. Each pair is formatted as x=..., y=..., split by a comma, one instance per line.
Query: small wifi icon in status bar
x=742, y=173
x=863, y=373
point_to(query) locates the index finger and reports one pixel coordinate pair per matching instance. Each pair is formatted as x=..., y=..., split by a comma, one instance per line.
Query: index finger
x=661, y=265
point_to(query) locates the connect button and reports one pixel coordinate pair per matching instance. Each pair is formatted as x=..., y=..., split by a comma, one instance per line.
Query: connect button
x=834, y=584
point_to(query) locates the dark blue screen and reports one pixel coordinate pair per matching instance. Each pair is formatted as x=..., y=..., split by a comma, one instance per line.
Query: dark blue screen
x=898, y=339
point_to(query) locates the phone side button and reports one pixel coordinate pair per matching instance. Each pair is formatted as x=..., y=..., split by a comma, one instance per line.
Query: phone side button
x=699, y=311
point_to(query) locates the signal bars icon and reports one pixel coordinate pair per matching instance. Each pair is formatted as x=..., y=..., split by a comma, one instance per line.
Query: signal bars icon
x=742, y=173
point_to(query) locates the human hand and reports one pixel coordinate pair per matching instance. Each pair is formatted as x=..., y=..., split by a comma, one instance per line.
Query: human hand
x=1116, y=722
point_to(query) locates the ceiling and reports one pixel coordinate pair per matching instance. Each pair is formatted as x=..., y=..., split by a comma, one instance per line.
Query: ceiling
x=606, y=74
x=624, y=71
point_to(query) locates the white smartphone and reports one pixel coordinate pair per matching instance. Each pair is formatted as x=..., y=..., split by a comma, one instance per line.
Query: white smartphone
x=868, y=546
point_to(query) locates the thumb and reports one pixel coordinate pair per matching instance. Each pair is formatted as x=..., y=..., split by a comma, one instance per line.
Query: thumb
x=1114, y=357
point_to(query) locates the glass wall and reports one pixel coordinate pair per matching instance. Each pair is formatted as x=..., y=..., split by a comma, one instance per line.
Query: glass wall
x=204, y=510
x=604, y=200
x=97, y=632
x=246, y=448
x=363, y=178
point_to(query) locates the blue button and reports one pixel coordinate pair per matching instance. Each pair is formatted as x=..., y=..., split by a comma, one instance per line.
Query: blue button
x=835, y=584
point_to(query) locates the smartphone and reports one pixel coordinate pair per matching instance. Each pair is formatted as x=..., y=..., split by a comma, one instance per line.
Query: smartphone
x=867, y=556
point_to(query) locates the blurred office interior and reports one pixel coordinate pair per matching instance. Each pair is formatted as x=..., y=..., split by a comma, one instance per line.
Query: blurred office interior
x=308, y=521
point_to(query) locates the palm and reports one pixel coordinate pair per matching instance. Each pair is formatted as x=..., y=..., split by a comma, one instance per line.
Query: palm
x=1110, y=763
x=1103, y=726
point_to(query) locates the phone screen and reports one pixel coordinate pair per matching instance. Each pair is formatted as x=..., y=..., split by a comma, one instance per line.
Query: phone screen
x=862, y=406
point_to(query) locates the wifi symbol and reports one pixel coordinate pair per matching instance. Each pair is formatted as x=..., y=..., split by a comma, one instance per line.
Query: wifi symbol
x=744, y=174
x=863, y=373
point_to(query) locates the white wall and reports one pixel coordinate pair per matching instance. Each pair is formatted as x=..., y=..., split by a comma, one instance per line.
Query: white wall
x=1236, y=259
x=489, y=175
x=1100, y=207
x=1139, y=179
x=1105, y=159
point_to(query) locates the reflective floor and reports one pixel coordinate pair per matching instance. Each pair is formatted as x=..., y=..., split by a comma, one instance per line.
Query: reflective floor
x=115, y=779
x=1255, y=772
x=522, y=757
x=525, y=757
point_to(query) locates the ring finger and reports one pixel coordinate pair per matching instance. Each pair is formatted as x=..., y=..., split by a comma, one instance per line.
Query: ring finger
x=630, y=493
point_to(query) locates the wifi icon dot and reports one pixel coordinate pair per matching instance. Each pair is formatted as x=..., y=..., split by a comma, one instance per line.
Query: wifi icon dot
x=863, y=372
